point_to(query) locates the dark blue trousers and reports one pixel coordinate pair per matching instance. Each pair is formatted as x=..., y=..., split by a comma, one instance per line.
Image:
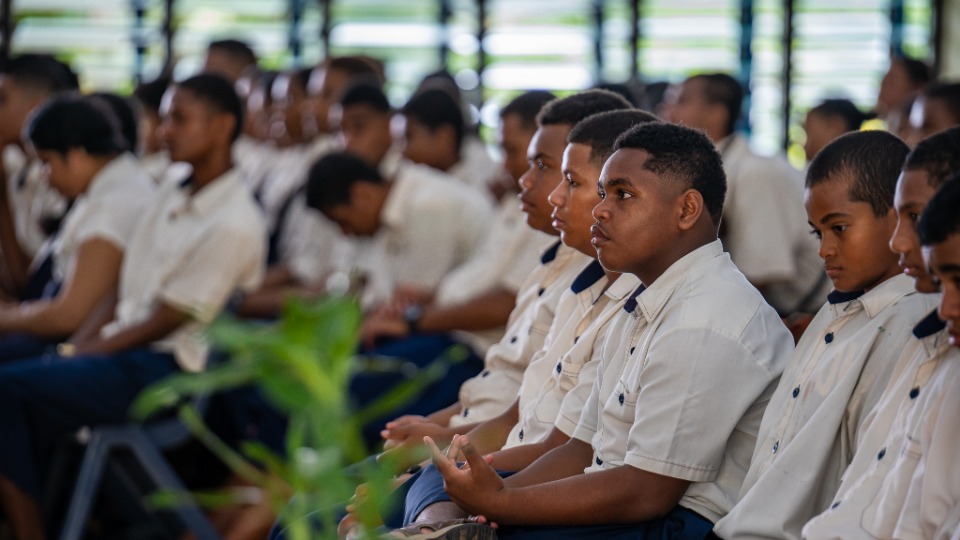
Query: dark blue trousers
x=45, y=398
x=20, y=346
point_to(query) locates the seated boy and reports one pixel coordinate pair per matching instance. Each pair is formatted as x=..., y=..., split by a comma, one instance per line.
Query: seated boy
x=564, y=370
x=661, y=447
x=77, y=139
x=492, y=392
x=198, y=242
x=435, y=134
x=873, y=490
x=844, y=359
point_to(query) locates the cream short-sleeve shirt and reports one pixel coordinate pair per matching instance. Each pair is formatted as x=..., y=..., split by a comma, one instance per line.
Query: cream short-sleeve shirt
x=559, y=368
x=809, y=431
x=684, y=378
x=495, y=388
x=506, y=257
x=191, y=252
x=903, y=481
x=32, y=199
x=109, y=210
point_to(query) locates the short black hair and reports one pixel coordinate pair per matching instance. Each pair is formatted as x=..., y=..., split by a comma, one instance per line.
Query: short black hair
x=331, y=177
x=949, y=94
x=40, y=73
x=872, y=159
x=366, y=68
x=73, y=121
x=435, y=108
x=622, y=89
x=843, y=109
x=681, y=155
x=940, y=219
x=918, y=71
x=150, y=93
x=722, y=89
x=364, y=93
x=126, y=116
x=599, y=131
x=938, y=155
x=301, y=77
x=572, y=109
x=219, y=93
x=235, y=49
x=526, y=107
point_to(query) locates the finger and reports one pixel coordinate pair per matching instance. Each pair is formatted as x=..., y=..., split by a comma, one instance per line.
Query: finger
x=440, y=461
x=474, y=458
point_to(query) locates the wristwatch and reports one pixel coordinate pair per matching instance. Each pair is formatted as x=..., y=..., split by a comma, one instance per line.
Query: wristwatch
x=412, y=315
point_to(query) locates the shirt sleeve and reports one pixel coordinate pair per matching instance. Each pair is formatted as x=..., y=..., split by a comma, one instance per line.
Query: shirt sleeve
x=691, y=394
x=226, y=260
x=765, y=216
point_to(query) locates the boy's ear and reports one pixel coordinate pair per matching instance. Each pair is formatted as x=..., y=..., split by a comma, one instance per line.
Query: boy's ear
x=691, y=208
x=224, y=123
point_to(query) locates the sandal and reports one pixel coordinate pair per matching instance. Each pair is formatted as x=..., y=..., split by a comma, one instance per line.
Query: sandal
x=457, y=529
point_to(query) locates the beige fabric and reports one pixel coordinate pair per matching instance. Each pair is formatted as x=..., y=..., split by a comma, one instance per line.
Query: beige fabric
x=809, y=430
x=684, y=379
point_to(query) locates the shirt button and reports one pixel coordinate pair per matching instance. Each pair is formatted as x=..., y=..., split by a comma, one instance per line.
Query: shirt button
x=914, y=393
x=575, y=338
x=796, y=392
x=621, y=399
x=834, y=505
x=828, y=338
x=599, y=461
x=466, y=411
x=882, y=453
x=632, y=349
x=521, y=434
x=776, y=446
x=513, y=339
x=485, y=373
x=540, y=292
x=558, y=367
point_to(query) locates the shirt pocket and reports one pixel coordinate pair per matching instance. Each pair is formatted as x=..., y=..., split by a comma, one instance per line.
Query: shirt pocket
x=627, y=401
x=568, y=373
x=881, y=515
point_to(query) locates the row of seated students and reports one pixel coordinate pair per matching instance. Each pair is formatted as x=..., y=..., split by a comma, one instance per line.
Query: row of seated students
x=429, y=266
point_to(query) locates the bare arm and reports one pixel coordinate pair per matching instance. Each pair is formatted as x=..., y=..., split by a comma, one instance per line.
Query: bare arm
x=623, y=494
x=95, y=274
x=489, y=310
x=520, y=457
x=16, y=260
x=163, y=322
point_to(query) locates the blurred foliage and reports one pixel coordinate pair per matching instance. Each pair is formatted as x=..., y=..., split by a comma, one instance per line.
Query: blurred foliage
x=302, y=364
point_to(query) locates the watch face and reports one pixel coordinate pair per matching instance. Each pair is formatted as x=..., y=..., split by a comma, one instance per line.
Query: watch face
x=412, y=313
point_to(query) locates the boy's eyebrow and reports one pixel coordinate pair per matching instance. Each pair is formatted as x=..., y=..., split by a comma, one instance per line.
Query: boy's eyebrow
x=948, y=268
x=619, y=181
x=834, y=215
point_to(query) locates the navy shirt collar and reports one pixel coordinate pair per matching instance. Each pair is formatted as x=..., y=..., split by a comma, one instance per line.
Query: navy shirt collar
x=839, y=297
x=587, y=277
x=631, y=304
x=550, y=254
x=930, y=325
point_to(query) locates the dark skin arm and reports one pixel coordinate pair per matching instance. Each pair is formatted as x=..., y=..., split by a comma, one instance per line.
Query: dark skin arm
x=163, y=322
x=623, y=494
x=520, y=457
x=16, y=260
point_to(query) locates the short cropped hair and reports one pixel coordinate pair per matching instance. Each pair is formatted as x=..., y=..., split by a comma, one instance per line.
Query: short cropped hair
x=682, y=155
x=331, y=177
x=940, y=219
x=40, y=73
x=526, y=107
x=75, y=122
x=572, y=109
x=938, y=155
x=219, y=93
x=599, y=131
x=366, y=68
x=948, y=94
x=722, y=89
x=872, y=159
x=843, y=109
x=150, y=93
x=235, y=49
x=435, y=108
x=126, y=116
x=363, y=93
